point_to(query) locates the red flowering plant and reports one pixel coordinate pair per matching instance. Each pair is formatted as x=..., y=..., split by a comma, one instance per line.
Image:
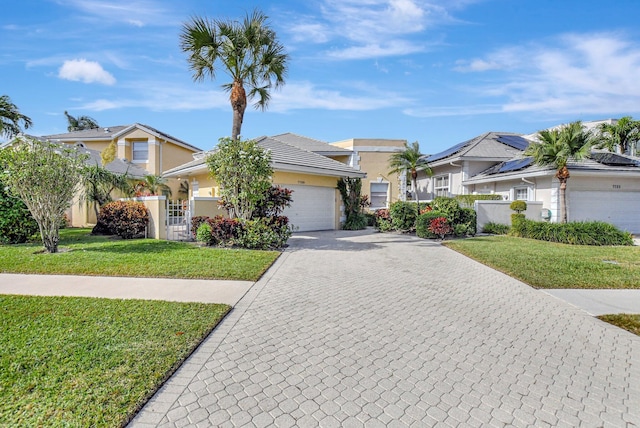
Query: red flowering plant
x=440, y=226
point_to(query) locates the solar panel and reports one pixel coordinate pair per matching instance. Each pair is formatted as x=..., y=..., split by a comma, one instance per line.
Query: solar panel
x=612, y=159
x=515, y=165
x=514, y=141
x=448, y=152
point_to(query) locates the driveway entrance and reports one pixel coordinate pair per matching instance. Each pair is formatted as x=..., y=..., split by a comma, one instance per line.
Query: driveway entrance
x=365, y=329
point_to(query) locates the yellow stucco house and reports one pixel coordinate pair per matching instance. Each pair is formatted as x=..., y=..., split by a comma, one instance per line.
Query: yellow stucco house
x=141, y=150
x=313, y=177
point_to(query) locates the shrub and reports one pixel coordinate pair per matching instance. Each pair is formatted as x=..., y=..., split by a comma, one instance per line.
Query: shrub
x=518, y=206
x=371, y=219
x=383, y=220
x=403, y=215
x=224, y=231
x=357, y=221
x=16, y=222
x=424, y=221
x=265, y=233
x=195, y=224
x=449, y=207
x=203, y=234
x=440, y=226
x=466, y=225
x=575, y=233
x=127, y=219
x=516, y=223
x=496, y=228
x=468, y=201
x=273, y=202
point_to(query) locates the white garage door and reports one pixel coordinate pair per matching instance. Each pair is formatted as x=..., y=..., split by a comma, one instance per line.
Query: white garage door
x=619, y=208
x=313, y=208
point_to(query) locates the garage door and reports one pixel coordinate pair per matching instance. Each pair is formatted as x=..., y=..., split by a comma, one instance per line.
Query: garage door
x=313, y=208
x=619, y=208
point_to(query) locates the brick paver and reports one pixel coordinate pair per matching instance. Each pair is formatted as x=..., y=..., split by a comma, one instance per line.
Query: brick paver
x=364, y=330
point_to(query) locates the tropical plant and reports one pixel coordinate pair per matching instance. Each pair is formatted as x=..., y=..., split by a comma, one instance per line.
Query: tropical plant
x=556, y=148
x=518, y=206
x=99, y=183
x=108, y=155
x=127, y=219
x=440, y=227
x=153, y=185
x=45, y=176
x=622, y=135
x=16, y=222
x=10, y=118
x=410, y=161
x=351, y=192
x=249, y=52
x=80, y=123
x=243, y=170
x=183, y=190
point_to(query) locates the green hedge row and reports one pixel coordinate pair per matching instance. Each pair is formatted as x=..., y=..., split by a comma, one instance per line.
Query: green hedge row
x=576, y=233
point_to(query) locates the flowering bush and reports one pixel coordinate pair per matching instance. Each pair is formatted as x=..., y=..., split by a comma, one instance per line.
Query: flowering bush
x=426, y=209
x=383, y=220
x=127, y=219
x=216, y=231
x=440, y=226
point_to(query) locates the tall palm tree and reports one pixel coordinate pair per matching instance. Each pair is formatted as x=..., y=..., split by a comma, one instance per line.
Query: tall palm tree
x=556, y=148
x=410, y=161
x=99, y=184
x=249, y=52
x=622, y=135
x=80, y=123
x=10, y=118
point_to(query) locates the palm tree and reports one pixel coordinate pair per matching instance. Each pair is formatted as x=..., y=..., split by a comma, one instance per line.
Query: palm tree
x=622, y=135
x=556, y=148
x=10, y=118
x=248, y=52
x=99, y=183
x=154, y=185
x=410, y=161
x=80, y=123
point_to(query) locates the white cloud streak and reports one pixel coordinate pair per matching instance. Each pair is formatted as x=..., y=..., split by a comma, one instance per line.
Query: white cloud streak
x=137, y=13
x=573, y=74
x=81, y=70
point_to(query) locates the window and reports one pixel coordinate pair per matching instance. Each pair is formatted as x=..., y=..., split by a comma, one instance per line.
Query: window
x=521, y=194
x=441, y=185
x=378, y=193
x=140, y=150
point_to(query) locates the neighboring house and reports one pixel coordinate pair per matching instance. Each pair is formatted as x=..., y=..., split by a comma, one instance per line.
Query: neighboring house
x=371, y=155
x=148, y=148
x=141, y=150
x=313, y=178
x=605, y=187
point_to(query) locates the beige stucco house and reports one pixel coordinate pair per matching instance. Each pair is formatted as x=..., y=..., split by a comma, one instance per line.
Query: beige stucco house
x=140, y=150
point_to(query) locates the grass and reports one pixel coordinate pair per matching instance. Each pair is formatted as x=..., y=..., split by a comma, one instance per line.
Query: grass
x=84, y=254
x=67, y=361
x=550, y=265
x=630, y=322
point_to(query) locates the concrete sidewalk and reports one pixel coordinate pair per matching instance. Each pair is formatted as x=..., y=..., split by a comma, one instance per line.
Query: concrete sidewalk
x=176, y=290
x=600, y=302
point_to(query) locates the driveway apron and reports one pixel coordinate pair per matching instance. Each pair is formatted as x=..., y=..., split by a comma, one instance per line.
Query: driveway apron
x=365, y=329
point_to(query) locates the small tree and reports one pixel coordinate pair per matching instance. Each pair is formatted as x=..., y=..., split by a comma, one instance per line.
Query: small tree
x=46, y=177
x=351, y=191
x=99, y=183
x=243, y=171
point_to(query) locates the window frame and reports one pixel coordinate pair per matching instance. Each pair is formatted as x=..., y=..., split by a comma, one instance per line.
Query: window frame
x=439, y=188
x=134, y=151
x=373, y=196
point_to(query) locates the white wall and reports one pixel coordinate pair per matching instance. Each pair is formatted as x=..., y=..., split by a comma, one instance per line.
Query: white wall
x=499, y=212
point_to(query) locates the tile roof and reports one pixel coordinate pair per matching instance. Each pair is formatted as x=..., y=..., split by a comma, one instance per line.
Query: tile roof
x=284, y=157
x=311, y=145
x=111, y=132
x=491, y=145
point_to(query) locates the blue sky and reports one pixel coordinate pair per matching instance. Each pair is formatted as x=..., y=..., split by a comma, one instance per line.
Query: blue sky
x=434, y=71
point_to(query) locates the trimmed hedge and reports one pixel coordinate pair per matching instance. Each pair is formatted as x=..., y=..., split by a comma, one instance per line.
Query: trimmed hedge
x=468, y=201
x=575, y=233
x=496, y=228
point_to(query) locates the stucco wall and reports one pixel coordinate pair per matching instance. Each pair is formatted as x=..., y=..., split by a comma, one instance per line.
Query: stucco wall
x=499, y=212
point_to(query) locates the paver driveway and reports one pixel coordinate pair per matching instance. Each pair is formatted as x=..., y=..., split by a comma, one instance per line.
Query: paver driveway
x=362, y=329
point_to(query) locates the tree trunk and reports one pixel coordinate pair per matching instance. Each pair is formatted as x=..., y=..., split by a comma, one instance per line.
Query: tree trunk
x=414, y=184
x=238, y=100
x=563, y=175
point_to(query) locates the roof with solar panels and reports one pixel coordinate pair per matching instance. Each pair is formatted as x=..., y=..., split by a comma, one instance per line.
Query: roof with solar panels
x=498, y=146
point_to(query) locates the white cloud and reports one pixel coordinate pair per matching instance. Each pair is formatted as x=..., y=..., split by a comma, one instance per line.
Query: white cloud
x=571, y=75
x=137, y=13
x=374, y=28
x=85, y=71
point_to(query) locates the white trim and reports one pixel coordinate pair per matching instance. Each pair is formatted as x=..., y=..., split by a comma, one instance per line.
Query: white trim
x=384, y=149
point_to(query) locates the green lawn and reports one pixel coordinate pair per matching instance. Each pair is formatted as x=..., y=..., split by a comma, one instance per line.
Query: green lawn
x=80, y=362
x=548, y=265
x=83, y=254
x=630, y=322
